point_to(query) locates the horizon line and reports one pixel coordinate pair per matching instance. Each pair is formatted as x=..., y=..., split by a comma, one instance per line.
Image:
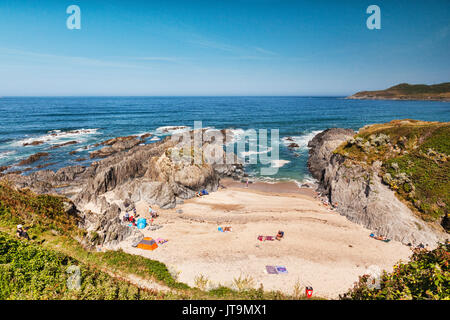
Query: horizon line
x=171, y=96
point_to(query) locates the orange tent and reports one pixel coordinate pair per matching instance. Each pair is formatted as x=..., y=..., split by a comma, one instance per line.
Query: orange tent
x=147, y=244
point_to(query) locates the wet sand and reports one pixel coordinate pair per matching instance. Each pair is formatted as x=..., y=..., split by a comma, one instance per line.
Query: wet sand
x=275, y=188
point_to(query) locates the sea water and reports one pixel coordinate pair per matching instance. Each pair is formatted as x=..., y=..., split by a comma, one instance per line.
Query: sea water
x=89, y=120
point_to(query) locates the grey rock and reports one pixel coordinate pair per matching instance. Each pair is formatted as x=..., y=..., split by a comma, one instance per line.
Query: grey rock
x=359, y=194
x=322, y=147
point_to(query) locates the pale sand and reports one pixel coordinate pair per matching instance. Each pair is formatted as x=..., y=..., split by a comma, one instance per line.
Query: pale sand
x=320, y=247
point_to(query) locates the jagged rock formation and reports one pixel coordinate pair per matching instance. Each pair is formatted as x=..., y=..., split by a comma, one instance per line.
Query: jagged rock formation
x=322, y=147
x=33, y=158
x=130, y=173
x=357, y=191
x=117, y=144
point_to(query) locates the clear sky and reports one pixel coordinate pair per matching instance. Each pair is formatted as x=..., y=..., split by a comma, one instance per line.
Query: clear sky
x=217, y=47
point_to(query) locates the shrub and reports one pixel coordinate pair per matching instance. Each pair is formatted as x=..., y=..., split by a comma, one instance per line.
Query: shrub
x=425, y=277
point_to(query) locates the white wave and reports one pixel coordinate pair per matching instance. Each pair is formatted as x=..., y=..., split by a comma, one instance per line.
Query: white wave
x=6, y=154
x=279, y=163
x=155, y=139
x=251, y=152
x=56, y=136
x=301, y=141
x=171, y=130
x=307, y=180
x=236, y=135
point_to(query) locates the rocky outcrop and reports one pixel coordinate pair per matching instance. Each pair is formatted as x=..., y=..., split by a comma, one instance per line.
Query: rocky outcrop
x=322, y=147
x=357, y=192
x=68, y=143
x=131, y=172
x=34, y=143
x=115, y=145
x=106, y=228
x=4, y=168
x=33, y=158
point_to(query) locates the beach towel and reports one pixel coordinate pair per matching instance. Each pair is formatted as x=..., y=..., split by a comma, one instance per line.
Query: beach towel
x=224, y=229
x=281, y=270
x=271, y=270
x=161, y=240
x=276, y=270
x=266, y=238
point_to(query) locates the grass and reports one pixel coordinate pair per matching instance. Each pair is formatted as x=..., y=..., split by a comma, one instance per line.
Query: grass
x=244, y=282
x=29, y=271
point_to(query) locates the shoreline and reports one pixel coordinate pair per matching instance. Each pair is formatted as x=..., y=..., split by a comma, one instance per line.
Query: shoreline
x=276, y=187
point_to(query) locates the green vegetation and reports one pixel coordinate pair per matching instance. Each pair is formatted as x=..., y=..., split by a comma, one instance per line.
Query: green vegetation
x=405, y=91
x=28, y=271
x=41, y=212
x=415, y=158
x=407, y=88
x=425, y=277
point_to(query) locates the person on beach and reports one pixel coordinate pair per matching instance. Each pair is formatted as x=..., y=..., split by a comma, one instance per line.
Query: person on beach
x=152, y=212
x=21, y=232
x=280, y=235
x=247, y=183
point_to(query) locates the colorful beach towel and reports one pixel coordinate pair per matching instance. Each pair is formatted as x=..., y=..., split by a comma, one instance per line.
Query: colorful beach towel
x=281, y=270
x=271, y=270
x=276, y=270
x=266, y=238
x=161, y=240
x=224, y=229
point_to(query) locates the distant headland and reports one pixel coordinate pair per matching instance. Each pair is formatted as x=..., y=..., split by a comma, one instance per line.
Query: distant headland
x=405, y=91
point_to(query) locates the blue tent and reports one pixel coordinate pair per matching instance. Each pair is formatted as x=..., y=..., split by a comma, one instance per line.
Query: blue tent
x=141, y=223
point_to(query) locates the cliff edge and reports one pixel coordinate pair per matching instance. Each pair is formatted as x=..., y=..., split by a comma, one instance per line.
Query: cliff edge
x=392, y=178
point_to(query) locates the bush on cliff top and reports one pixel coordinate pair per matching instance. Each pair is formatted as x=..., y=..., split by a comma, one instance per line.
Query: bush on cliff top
x=42, y=212
x=425, y=277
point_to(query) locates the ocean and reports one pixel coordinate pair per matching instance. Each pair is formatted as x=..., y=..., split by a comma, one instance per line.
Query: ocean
x=88, y=120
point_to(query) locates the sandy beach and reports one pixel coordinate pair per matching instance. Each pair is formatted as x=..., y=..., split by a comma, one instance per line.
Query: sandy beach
x=320, y=248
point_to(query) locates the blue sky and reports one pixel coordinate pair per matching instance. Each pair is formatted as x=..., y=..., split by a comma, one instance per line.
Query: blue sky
x=220, y=47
